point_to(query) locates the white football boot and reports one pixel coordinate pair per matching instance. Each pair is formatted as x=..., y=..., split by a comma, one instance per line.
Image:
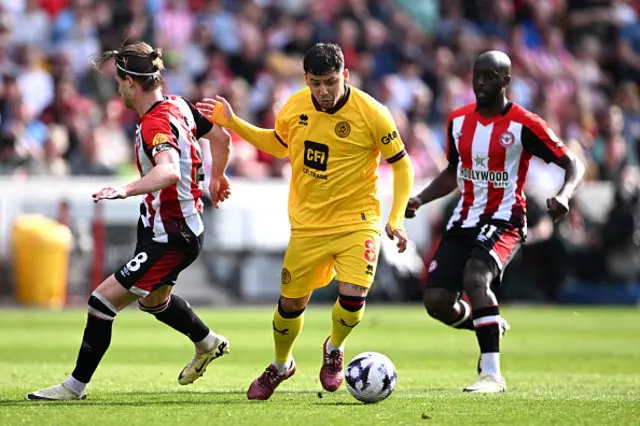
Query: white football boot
x=55, y=393
x=198, y=365
x=487, y=384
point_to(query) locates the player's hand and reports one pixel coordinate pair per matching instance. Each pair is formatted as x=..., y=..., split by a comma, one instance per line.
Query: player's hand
x=206, y=106
x=412, y=207
x=110, y=193
x=558, y=207
x=219, y=189
x=401, y=234
x=218, y=110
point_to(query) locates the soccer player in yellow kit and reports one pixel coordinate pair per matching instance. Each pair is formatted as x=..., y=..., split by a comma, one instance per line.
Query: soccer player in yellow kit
x=333, y=134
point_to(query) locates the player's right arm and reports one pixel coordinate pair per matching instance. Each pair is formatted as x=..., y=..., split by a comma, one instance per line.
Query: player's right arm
x=162, y=147
x=444, y=184
x=271, y=141
x=166, y=172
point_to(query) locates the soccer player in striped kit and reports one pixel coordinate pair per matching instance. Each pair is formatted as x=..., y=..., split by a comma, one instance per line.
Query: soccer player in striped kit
x=490, y=143
x=170, y=227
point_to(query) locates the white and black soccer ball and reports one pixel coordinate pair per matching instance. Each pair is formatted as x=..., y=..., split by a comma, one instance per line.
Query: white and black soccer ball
x=370, y=377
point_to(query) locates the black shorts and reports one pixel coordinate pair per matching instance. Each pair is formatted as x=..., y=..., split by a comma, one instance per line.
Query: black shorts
x=156, y=264
x=495, y=244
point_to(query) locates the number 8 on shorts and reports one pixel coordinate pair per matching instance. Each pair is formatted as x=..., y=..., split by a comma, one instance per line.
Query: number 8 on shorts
x=134, y=264
x=154, y=265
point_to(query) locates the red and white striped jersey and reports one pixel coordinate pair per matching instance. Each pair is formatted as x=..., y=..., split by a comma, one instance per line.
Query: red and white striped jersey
x=490, y=157
x=172, y=124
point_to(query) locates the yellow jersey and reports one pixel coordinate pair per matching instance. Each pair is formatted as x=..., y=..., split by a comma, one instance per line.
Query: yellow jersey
x=334, y=157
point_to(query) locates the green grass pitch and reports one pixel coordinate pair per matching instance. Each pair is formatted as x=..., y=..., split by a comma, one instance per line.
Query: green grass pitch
x=564, y=366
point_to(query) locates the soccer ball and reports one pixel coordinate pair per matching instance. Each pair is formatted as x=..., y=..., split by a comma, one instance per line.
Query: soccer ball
x=370, y=377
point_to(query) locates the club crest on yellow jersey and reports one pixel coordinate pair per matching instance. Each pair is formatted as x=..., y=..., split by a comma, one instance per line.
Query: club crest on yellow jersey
x=285, y=277
x=343, y=129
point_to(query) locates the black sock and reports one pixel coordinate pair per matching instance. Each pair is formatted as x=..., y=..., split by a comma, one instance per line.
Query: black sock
x=464, y=321
x=95, y=342
x=486, y=321
x=351, y=303
x=177, y=314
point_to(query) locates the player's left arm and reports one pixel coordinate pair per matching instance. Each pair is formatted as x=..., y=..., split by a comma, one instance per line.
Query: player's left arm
x=389, y=142
x=538, y=139
x=220, y=149
x=219, y=140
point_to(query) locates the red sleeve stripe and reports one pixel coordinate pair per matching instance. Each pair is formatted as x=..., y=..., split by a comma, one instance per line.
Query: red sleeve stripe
x=397, y=157
x=280, y=140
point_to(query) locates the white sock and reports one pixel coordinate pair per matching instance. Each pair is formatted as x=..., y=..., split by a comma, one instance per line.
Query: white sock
x=282, y=368
x=491, y=364
x=207, y=344
x=331, y=348
x=76, y=386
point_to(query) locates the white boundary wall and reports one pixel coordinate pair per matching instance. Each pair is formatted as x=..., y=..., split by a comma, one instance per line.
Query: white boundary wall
x=254, y=218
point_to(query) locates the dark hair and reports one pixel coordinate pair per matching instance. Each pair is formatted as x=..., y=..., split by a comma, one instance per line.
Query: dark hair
x=137, y=60
x=323, y=58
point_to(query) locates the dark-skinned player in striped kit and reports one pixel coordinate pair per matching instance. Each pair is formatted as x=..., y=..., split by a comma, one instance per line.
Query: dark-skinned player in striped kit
x=490, y=143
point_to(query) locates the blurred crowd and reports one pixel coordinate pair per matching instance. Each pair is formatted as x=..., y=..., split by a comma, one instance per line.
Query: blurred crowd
x=576, y=63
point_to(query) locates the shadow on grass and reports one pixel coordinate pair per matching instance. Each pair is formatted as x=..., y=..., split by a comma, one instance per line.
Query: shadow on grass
x=340, y=403
x=150, y=399
x=205, y=392
x=145, y=403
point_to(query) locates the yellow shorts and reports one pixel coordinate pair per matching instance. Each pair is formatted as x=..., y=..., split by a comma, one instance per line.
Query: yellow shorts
x=312, y=262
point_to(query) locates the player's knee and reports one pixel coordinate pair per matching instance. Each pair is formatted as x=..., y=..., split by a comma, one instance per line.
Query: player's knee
x=157, y=296
x=152, y=307
x=477, y=276
x=438, y=302
x=100, y=307
x=433, y=308
x=157, y=301
x=287, y=305
x=347, y=289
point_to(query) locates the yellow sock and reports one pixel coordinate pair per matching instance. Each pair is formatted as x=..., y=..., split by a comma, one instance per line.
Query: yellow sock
x=347, y=313
x=285, y=332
